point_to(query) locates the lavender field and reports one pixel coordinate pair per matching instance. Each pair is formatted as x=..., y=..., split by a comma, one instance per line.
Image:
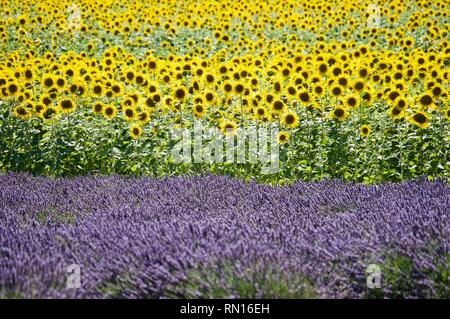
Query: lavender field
x=218, y=237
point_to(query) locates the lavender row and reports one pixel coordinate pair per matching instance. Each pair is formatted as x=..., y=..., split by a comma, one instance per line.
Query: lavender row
x=217, y=237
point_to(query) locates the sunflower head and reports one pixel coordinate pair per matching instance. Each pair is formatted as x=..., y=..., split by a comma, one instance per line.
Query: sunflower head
x=229, y=128
x=109, y=112
x=351, y=101
x=425, y=100
x=396, y=113
x=420, y=119
x=180, y=93
x=49, y=113
x=97, y=89
x=447, y=113
x=129, y=113
x=282, y=137
x=21, y=112
x=290, y=119
x=135, y=131
x=67, y=105
x=48, y=81
x=364, y=130
x=143, y=117
x=97, y=108
x=199, y=110
x=278, y=106
x=339, y=113
x=260, y=112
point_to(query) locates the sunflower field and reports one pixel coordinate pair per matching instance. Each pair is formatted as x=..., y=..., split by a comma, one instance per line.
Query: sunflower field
x=357, y=92
x=358, y=89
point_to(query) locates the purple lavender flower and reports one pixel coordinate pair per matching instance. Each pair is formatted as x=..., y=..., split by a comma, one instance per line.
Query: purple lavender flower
x=217, y=237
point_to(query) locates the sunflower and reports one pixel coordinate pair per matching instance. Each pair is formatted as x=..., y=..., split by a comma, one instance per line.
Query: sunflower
x=97, y=89
x=199, y=110
x=60, y=81
x=227, y=87
x=21, y=112
x=336, y=90
x=129, y=113
x=180, y=93
x=282, y=137
x=67, y=106
x=396, y=113
x=210, y=97
x=408, y=42
x=290, y=119
x=401, y=102
x=304, y=97
x=210, y=78
x=228, y=127
x=437, y=90
x=49, y=112
x=351, y=101
x=368, y=96
x=28, y=73
x=278, y=107
x=318, y=89
x=129, y=75
x=128, y=102
x=109, y=112
x=97, y=108
x=260, y=112
x=140, y=80
x=143, y=117
x=48, y=81
x=358, y=85
x=447, y=113
x=425, y=100
x=364, y=130
x=38, y=108
x=135, y=131
x=239, y=88
x=322, y=68
x=339, y=113
x=420, y=119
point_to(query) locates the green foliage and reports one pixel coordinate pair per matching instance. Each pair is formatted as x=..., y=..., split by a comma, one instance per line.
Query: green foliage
x=224, y=280
x=398, y=272
x=320, y=148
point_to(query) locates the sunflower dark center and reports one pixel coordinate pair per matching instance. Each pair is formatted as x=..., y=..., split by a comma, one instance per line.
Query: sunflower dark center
x=180, y=93
x=66, y=104
x=278, y=105
x=97, y=89
x=323, y=68
x=290, y=119
x=420, y=118
x=339, y=113
x=426, y=100
x=351, y=101
x=304, y=97
x=359, y=86
x=21, y=111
